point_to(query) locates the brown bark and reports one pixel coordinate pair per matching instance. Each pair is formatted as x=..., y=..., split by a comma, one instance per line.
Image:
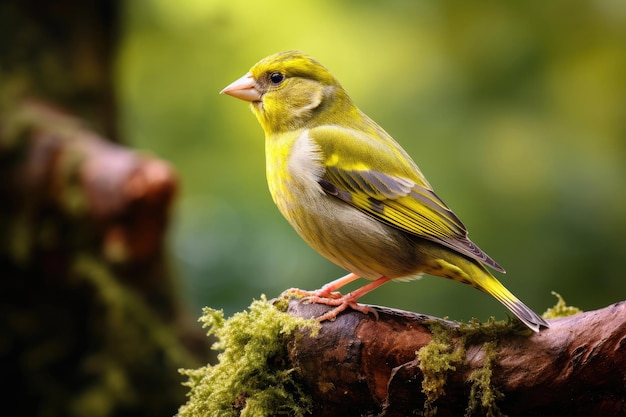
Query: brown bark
x=358, y=365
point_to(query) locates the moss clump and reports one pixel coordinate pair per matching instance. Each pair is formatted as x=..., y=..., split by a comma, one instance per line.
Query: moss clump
x=484, y=396
x=560, y=309
x=251, y=378
x=446, y=352
x=437, y=359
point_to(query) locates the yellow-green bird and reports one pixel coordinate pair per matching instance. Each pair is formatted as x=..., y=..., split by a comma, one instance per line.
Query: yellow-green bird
x=351, y=191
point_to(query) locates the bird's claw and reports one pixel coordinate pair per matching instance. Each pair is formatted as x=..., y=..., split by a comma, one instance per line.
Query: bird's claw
x=340, y=304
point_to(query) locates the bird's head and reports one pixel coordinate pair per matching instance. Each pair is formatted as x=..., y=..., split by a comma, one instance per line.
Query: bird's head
x=289, y=90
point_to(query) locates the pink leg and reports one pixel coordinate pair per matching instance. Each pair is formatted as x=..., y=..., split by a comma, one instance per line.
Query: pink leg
x=332, y=286
x=328, y=290
x=348, y=300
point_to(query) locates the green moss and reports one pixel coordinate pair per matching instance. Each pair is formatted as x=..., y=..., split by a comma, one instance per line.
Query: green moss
x=476, y=332
x=560, y=309
x=446, y=352
x=251, y=378
x=437, y=359
x=282, y=303
x=483, y=395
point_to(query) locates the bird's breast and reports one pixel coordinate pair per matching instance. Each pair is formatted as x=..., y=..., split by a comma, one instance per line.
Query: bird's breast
x=294, y=168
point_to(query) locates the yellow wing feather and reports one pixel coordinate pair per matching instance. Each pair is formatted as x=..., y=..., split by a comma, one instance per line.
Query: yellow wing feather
x=403, y=199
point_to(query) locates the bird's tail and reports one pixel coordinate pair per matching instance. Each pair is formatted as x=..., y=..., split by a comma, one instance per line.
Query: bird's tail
x=494, y=288
x=472, y=273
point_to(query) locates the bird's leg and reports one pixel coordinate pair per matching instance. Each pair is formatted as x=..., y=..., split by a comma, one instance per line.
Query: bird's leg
x=328, y=290
x=348, y=300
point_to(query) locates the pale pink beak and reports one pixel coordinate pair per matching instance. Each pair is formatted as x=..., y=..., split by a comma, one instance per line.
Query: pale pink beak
x=243, y=88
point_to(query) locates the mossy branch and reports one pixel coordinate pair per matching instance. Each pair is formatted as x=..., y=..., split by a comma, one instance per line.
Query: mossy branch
x=576, y=367
x=404, y=364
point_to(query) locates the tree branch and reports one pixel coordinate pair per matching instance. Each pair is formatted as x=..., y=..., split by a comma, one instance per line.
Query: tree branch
x=55, y=162
x=358, y=365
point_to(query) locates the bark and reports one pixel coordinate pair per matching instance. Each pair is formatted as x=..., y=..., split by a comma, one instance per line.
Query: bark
x=359, y=365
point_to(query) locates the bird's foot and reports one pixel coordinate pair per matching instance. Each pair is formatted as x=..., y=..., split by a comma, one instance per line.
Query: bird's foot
x=340, y=303
x=322, y=293
x=327, y=295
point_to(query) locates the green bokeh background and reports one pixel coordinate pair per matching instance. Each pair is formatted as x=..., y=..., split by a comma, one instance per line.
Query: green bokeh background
x=515, y=111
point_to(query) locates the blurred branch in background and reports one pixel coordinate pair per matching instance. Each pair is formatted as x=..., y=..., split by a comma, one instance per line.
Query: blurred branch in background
x=90, y=317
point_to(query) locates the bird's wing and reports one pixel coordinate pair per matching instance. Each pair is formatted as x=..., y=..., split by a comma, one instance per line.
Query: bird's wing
x=389, y=187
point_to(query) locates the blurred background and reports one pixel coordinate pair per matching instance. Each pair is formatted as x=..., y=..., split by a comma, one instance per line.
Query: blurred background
x=110, y=118
x=514, y=111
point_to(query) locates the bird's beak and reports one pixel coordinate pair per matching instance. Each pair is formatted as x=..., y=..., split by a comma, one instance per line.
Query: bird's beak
x=244, y=89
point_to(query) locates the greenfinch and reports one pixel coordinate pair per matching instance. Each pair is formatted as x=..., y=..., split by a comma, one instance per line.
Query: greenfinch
x=352, y=193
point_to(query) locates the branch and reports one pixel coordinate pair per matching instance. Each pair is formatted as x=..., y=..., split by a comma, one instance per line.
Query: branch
x=53, y=162
x=358, y=365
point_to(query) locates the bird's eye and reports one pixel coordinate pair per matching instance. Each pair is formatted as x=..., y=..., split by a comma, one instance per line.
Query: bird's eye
x=276, y=77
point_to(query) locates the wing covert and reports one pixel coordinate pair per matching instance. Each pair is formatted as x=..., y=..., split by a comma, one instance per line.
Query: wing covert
x=391, y=189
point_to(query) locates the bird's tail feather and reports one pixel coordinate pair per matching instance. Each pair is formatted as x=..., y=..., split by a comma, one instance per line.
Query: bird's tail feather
x=484, y=281
x=472, y=273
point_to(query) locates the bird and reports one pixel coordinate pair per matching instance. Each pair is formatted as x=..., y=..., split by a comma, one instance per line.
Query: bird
x=353, y=193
